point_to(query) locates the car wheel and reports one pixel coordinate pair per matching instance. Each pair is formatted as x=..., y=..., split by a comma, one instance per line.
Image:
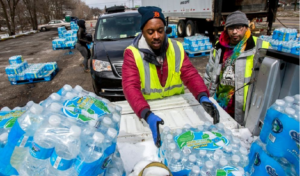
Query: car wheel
x=190, y=28
x=43, y=29
x=181, y=28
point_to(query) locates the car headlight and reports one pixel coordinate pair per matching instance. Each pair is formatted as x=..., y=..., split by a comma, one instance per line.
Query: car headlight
x=99, y=65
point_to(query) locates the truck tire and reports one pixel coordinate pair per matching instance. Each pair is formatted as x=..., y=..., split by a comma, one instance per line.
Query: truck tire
x=181, y=28
x=190, y=28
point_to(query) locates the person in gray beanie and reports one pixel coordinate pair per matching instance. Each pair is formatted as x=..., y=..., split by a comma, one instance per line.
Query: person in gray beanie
x=228, y=79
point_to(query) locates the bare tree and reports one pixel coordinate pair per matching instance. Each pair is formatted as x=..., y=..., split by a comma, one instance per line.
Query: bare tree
x=31, y=7
x=96, y=11
x=82, y=11
x=22, y=17
x=9, y=11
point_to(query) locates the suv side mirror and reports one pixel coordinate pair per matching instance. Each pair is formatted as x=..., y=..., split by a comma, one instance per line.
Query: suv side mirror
x=168, y=30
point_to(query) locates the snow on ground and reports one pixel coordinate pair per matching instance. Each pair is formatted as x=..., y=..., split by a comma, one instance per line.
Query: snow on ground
x=6, y=36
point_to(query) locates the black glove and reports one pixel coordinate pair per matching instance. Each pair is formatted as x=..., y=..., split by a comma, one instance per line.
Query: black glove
x=210, y=108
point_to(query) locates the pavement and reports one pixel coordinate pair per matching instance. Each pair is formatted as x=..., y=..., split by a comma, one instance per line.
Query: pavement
x=37, y=48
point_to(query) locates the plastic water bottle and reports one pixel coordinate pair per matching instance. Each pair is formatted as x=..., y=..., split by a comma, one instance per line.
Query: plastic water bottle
x=90, y=128
x=199, y=128
x=201, y=157
x=113, y=172
x=227, y=151
x=165, y=132
x=207, y=126
x=110, y=137
x=66, y=88
x=187, y=127
x=77, y=90
x=92, y=151
x=222, y=163
x=42, y=148
x=5, y=108
x=296, y=48
x=170, y=151
x=291, y=113
x=3, y=139
x=208, y=169
x=186, y=153
x=195, y=171
x=244, y=156
x=285, y=164
x=235, y=159
x=190, y=162
x=274, y=44
x=116, y=120
x=219, y=153
x=55, y=108
x=220, y=128
x=175, y=164
x=236, y=142
x=228, y=134
x=289, y=101
x=29, y=122
x=68, y=96
x=65, y=154
x=105, y=124
x=29, y=104
x=178, y=132
x=54, y=97
x=280, y=45
x=279, y=105
x=275, y=34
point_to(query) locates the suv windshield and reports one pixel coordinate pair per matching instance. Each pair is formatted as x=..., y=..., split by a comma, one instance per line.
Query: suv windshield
x=118, y=27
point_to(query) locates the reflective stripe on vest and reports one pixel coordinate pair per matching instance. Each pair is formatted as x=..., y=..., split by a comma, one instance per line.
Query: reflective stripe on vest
x=150, y=84
x=249, y=69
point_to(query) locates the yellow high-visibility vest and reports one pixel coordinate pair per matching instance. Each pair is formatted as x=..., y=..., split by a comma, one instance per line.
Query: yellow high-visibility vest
x=150, y=84
x=248, y=69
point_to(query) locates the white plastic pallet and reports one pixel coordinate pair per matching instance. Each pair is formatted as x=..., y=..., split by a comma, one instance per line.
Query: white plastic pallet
x=176, y=111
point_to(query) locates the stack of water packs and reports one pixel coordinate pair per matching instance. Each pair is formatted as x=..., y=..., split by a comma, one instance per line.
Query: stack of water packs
x=173, y=34
x=72, y=132
x=277, y=150
x=197, y=43
x=206, y=150
x=67, y=39
x=285, y=40
x=74, y=26
x=20, y=70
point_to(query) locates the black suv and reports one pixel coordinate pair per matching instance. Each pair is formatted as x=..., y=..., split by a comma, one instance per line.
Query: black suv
x=114, y=32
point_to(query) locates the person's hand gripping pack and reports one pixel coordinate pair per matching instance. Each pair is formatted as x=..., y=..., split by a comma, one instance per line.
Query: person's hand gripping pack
x=210, y=108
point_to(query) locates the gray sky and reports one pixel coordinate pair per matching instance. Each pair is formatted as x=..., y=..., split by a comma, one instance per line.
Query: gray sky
x=101, y=3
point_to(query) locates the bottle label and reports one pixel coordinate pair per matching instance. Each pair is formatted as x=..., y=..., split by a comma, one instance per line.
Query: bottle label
x=25, y=141
x=60, y=163
x=39, y=152
x=225, y=170
x=96, y=167
x=85, y=108
x=8, y=118
x=272, y=138
x=201, y=140
x=84, y=168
